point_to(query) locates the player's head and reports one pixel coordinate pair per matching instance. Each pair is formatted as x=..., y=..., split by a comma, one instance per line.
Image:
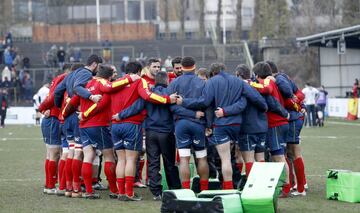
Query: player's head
x=161, y=78
x=105, y=71
x=243, y=71
x=176, y=64
x=188, y=64
x=273, y=67
x=76, y=66
x=66, y=67
x=216, y=68
x=262, y=70
x=154, y=66
x=133, y=67
x=93, y=61
x=202, y=73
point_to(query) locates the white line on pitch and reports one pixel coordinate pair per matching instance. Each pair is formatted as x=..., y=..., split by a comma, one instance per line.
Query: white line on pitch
x=20, y=180
x=343, y=123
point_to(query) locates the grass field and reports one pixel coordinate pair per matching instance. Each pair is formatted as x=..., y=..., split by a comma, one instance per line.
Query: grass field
x=337, y=145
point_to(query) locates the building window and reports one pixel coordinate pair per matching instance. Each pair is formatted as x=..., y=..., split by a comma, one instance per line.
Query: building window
x=133, y=10
x=118, y=11
x=39, y=11
x=105, y=12
x=247, y=12
x=150, y=10
x=21, y=10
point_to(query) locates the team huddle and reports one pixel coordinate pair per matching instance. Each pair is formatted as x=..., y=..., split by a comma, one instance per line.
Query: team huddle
x=90, y=113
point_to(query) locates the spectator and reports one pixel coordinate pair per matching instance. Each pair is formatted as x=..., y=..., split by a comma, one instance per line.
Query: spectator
x=26, y=63
x=38, y=98
x=4, y=102
x=77, y=54
x=69, y=52
x=6, y=83
x=51, y=56
x=106, y=51
x=167, y=64
x=8, y=40
x=6, y=73
x=27, y=85
x=8, y=59
x=322, y=99
x=61, y=56
x=310, y=99
x=356, y=88
x=18, y=60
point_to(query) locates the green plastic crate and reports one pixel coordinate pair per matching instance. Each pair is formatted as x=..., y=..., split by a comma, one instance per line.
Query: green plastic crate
x=213, y=193
x=343, y=185
x=262, y=188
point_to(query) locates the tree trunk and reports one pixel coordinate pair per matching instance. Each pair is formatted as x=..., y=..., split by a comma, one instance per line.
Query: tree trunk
x=238, y=27
x=202, y=19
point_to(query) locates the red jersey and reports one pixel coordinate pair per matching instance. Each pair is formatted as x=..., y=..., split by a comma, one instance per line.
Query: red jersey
x=171, y=76
x=127, y=96
x=49, y=103
x=268, y=87
x=149, y=81
x=96, y=114
x=66, y=99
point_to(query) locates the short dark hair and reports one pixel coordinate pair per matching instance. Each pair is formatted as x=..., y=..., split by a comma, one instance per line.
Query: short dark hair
x=243, y=71
x=93, y=58
x=262, y=69
x=133, y=67
x=176, y=60
x=187, y=61
x=161, y=77
x=105, y=71
x=76, y=66
x=273, y=67
x=66, y=66
x=203, y=72
x=152, y=60
x=216, y=68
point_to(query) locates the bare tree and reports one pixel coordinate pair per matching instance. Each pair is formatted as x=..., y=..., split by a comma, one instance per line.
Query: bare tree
x=238, y=27
x=218, y=15
x=351, y=12
x=202, y=19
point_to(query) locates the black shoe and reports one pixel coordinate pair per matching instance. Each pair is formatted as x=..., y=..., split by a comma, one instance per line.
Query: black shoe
x=135, y=197
x=113, y=195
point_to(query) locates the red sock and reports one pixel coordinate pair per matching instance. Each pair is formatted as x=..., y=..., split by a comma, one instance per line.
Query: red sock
x=228, y=185
x=248, y=166
x=52, y=173
x=76, y=171
x=61, y=169
x=62, y=184
x=129, y=185
x=109, y=170
x=94, y=180
x=239, y=166
x=291, y=172
x=141, y=166
x=86, y=172
x=177, y=156
x=286, y=188
x=300, y=173
x=186, y=184
x=47, y=173
x=204, y=184
x=121, y=185
x=147, y=172
x=68, y=174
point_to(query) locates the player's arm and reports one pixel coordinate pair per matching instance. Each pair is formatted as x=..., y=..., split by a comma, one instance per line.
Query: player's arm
x=48, y=103
x=275, y=106
x=137, y=107
x=147, y=95
x=204, y=101
x=108, y=87
x=254, y=97
x=264, y=88
x=71, y=106
x=97, y=107
x=59, y=93
x=235, y=108
x=284, y=87
x=79, y=85
x=182, y=111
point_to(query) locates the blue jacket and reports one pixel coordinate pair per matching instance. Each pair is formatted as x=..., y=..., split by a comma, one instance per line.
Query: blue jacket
x=159, y=117
x=73, y=83
x=224, y=90
x=187, y=85
x=287, y=88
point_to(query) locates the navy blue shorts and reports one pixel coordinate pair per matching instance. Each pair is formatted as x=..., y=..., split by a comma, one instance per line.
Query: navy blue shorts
x=276, y=139
x=189, y=134
x=72, y=128
x=50, y=128
x=252, y=142
x=98, y=137
x=223, y=134
x=64, y=142
x=127, y=136
x=294, y=131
